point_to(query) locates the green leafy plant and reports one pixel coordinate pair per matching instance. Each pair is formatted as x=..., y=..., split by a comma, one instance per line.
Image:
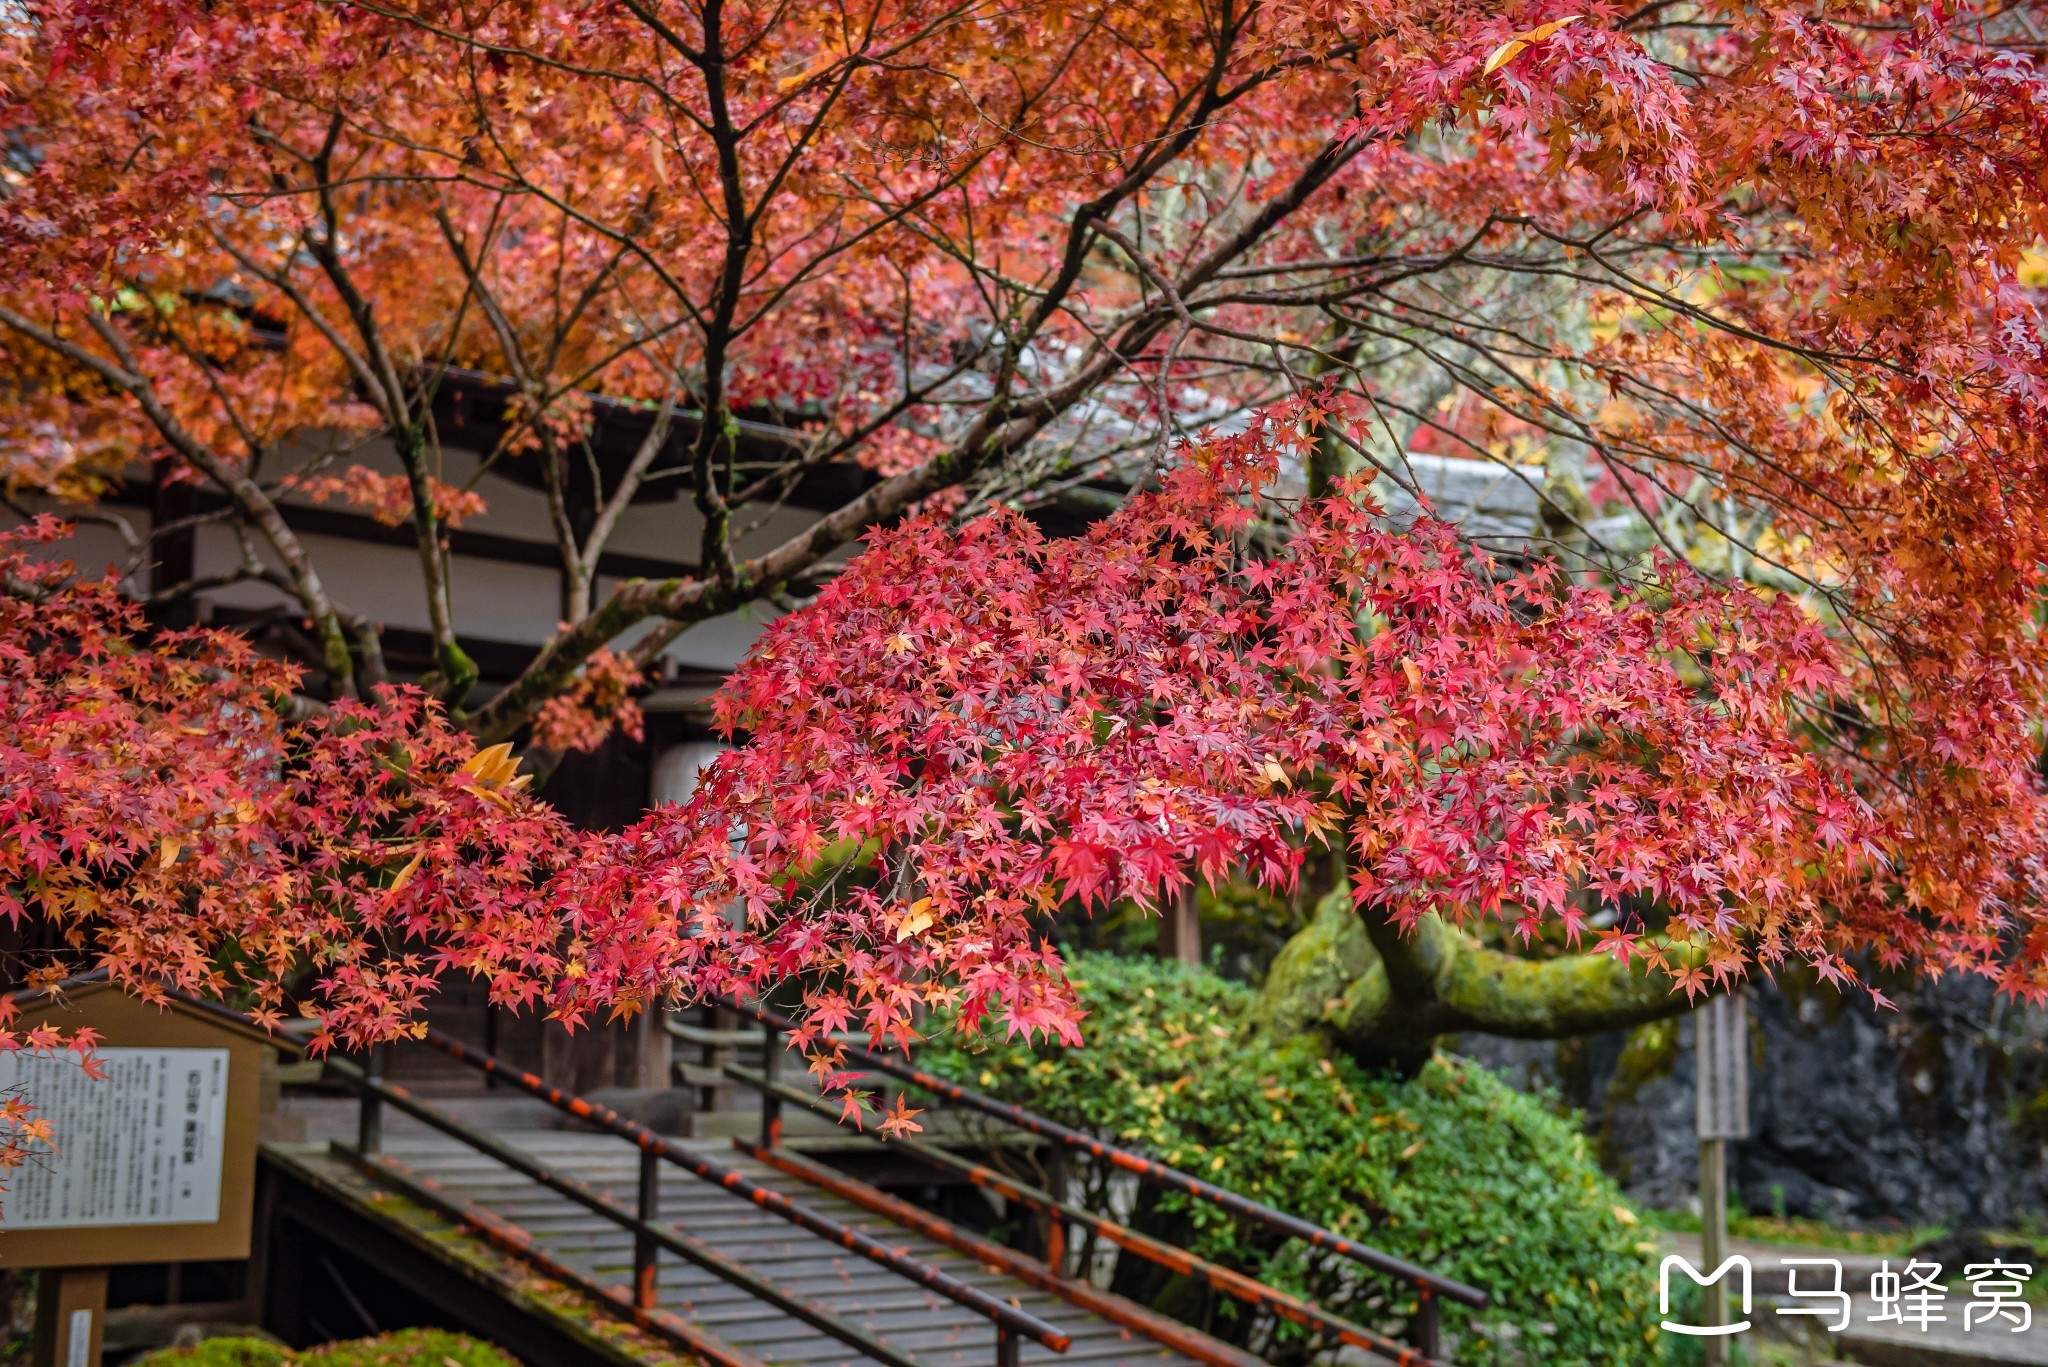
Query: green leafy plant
x=1452, y=1169
x=405, y=1348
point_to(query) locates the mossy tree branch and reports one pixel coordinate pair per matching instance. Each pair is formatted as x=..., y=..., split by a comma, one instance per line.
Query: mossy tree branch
x=1385, y=995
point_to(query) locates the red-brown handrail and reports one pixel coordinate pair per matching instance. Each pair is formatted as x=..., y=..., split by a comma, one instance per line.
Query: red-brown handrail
x=1429, y=1285
x=1056, y=1211
x=1009, y=1321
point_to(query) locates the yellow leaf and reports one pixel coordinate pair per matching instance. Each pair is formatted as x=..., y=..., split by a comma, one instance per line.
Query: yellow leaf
x=1503, y=54
x=493, y=766
x=1625, y=1215
x=918, y=918
x=405, y=874
x=789, y=83
x=484, y=761
x=1414, y=674
x=168, y=855
x=1411, y=1150
x=1512, y=48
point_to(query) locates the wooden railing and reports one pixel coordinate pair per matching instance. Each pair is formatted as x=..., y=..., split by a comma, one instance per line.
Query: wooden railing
x=650, y=1237
x=1011, y=1324
x=1056, y=1213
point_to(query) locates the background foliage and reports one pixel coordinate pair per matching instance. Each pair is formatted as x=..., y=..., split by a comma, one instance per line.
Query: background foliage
x=1453, y=1169
x=406, y=1348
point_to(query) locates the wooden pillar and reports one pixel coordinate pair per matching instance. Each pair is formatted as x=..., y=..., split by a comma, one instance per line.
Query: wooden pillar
x=173, y=556
x=1714, y=1243
x=579, y=1061
x=651, y=1053
x=1180, y=929
x=71, y=1316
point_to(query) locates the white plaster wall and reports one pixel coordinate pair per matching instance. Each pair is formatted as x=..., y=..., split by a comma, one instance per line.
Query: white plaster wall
x=676, y=769
x=494, y=600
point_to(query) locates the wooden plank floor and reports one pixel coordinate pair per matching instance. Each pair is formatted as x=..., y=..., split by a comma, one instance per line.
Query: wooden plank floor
x=909, y=1318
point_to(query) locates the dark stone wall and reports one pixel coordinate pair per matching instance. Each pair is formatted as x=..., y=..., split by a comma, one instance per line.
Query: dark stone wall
x=1936, y=1112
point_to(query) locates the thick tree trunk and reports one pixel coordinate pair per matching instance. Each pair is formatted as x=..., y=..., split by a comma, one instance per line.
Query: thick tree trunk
x=1385, y=996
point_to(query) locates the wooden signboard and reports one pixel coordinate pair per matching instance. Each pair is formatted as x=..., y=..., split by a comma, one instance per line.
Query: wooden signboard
x=155, y=1162
x=1723, y=1067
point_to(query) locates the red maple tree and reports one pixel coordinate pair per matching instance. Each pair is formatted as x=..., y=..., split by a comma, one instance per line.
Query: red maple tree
x=1746, y=297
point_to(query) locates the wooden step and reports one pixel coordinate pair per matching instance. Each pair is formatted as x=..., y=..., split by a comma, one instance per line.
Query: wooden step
x=908, y=1317
x=1941, y=1345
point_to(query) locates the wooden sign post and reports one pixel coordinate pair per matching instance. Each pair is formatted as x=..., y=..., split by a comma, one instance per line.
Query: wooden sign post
x=1721, y=1057
x=153, y=1163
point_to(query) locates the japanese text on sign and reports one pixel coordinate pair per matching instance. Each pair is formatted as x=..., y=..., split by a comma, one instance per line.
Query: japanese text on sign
x=141, y=1146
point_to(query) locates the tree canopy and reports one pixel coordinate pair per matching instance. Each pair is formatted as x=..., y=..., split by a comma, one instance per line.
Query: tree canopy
x=1747, y=296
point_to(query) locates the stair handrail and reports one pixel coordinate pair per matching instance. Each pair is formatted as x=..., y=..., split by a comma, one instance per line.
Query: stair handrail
x=1011, y=1323
x=647, y=1234
x=1428, y=1284
x=1055, y=1212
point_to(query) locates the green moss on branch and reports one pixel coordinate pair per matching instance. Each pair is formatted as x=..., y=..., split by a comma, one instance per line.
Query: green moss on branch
x=1387, y=995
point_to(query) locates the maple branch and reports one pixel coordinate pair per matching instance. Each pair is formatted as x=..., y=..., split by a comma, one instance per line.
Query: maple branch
x=565, y=323
x=684, y=603
x=406, y=421
x=126, y=376
x=635, y=474
x=1388, y=995
x=576, y=573
x=200, y=363
x=474, y=44
x=120, y=526
x=281, y=281
x=1187, y=323
x=904, y=212
x=713, y=435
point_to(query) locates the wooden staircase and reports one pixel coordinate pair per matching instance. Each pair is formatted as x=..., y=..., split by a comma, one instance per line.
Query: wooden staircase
x=752, y=1255
x=919, y=1323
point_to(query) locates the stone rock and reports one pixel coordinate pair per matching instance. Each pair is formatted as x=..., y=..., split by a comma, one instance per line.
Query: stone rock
x=1934, y=1113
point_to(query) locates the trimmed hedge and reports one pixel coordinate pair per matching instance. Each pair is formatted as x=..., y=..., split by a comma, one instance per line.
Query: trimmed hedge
x=1452, y=1169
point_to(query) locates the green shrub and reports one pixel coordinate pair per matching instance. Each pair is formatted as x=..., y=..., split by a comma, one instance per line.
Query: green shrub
x=405, y=1348
x=220, y=1352
x=1452, y=1170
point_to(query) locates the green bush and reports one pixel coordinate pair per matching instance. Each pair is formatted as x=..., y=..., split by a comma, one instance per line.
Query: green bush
x=1452, y=1169
x=405, y=1348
